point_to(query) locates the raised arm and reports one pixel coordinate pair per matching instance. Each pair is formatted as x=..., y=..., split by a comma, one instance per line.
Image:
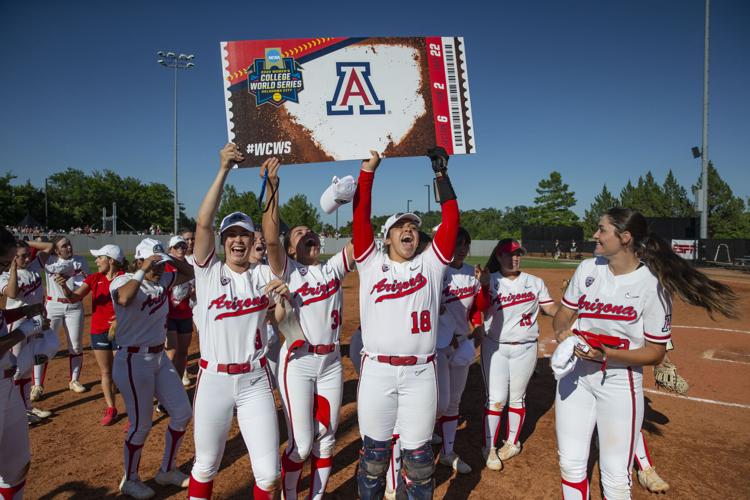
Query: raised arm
x=125, y=294
x=363, y=238
x=445, y=238
x=274, y=249
x=11, y=289
x=185, y=271
x=44, y=249
x=204, y=228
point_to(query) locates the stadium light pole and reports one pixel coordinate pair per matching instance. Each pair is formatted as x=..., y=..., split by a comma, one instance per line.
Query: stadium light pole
x=408, y=202
x=176, y=62
x=428, y=197
x=704, y=148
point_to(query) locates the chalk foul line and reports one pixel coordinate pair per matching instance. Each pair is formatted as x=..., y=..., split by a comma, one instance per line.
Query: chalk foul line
x=698, y=400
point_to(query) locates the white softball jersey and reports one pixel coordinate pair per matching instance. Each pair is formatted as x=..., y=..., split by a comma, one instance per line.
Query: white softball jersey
x=317, y=296
x=75, y=269
x=30, y=289
x=230, y=311
x=514, y=307
x=460, y=288
x=144, y=322
x=631, y=306
x=399, y=302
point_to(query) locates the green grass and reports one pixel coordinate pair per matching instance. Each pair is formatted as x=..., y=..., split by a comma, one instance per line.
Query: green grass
x=531, y=263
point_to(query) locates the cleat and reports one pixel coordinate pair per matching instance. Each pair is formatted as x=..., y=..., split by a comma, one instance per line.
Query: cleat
x=110, y=413
x=76, y=386
x=41, y=413
x=185, y=379
x=37, y=392
x=175, y=477
x=508, y=451
x=491, y=460
x=454, y=461
x=650, y=480
x=436, y=439
x=31, y=418
x=135, y=489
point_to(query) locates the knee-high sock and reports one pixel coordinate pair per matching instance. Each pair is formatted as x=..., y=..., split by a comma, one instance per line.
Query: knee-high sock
x=448, y=424
x=198, y=490
x=291, y=472
x=172, y=444
x=320, y=470
x=575, y=491
x=76, y=363
x=491, y=427
x=516, y=416
x=132, y=460
x=14, y=492
x=261, y=494
x=40, y=373
x=393, y=477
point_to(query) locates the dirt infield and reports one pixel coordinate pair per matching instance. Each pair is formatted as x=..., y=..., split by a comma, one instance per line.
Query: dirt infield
x=699, y=445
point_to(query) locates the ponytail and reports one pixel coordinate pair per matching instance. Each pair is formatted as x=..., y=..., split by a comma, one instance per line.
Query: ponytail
x=677, y=275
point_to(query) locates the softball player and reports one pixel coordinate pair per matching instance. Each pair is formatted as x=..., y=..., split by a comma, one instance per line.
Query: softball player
x=110, y=263
x=14, y=431
x=455, y=351
x=180, y=317
x=399, y=304
x=626, y=291
x=22, y=285
x=230, y=314
x=509, y=347
x=141, y=370
x=57, y=258
x=310, y=373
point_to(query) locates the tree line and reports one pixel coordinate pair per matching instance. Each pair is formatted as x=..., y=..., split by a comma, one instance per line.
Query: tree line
x=75, y=199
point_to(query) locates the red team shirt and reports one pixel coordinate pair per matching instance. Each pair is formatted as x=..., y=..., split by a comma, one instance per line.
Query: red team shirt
x=230, y=311
x=632, y=306
x=399, y=303
x=317, y=296
x=144, y=322
x=514, y=307
x=102, y=308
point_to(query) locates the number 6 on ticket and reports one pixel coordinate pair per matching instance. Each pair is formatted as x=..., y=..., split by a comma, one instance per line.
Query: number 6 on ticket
x=324, y=99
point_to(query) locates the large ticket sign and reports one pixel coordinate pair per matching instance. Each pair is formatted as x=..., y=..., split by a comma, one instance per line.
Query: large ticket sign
x=324, y=99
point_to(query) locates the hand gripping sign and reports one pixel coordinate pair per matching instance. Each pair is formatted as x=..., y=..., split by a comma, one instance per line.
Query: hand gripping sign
x=324, y=99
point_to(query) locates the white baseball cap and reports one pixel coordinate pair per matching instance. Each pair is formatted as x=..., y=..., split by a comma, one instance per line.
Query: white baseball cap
x=397, y=217
x=149, y=247
x=176, y=240
x=340, y=192
x=237, y=219
x=111, y=251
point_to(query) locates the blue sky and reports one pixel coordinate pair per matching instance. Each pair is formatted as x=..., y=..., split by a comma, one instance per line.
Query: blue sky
x=599, y=91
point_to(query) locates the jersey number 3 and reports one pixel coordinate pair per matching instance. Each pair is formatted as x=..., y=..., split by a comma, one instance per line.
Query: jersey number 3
x=420, y=322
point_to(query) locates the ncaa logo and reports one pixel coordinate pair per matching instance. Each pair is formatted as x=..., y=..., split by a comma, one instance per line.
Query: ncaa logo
x=354, y=88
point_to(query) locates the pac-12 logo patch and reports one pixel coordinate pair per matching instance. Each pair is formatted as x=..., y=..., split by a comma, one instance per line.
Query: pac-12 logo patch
x=667, y=324
x=275, y=79
x=224, y=281
x=589, y=281
x=303, y=271
x=354, y=88
x=385, y=268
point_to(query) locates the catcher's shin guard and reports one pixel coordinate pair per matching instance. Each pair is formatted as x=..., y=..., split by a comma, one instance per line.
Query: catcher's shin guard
x=419, y=467
x=374, y=459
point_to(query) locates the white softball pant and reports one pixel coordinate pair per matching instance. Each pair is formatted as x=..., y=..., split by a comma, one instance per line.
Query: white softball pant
x=611, y=401
x=311, y=387
x=69, y=316
x=452, y=371
x=216, y=397
x=140, y=377
x=407, y=394
x=14, y=441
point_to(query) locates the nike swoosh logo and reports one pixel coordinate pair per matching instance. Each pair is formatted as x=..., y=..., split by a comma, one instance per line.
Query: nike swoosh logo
x=419, y=372
x=628, y=296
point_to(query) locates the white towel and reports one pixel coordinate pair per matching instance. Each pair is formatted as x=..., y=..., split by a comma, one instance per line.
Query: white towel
x=340, y=192
x=563, y=360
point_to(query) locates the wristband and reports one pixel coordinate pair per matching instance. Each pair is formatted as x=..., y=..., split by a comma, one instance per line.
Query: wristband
x=139, y=275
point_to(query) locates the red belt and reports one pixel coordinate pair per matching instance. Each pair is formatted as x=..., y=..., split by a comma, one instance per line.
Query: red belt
x=403, y=360
x=64, y=301
x=321, y=348
x=233, y=368
x=150, y=349
x=9, y=372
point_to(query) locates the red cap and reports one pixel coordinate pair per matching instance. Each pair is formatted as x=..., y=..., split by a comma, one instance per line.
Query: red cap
x=509, y=245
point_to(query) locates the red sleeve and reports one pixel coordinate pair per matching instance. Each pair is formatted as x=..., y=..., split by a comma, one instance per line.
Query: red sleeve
x=12, y=315
x=481, y=304
x=169, y=268
x=362, y=237
x=445, y=238
x=91, y=279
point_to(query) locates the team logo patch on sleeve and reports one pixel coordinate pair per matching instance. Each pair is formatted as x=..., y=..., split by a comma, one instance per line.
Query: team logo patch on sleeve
x=589, y=281
x=667, y=324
